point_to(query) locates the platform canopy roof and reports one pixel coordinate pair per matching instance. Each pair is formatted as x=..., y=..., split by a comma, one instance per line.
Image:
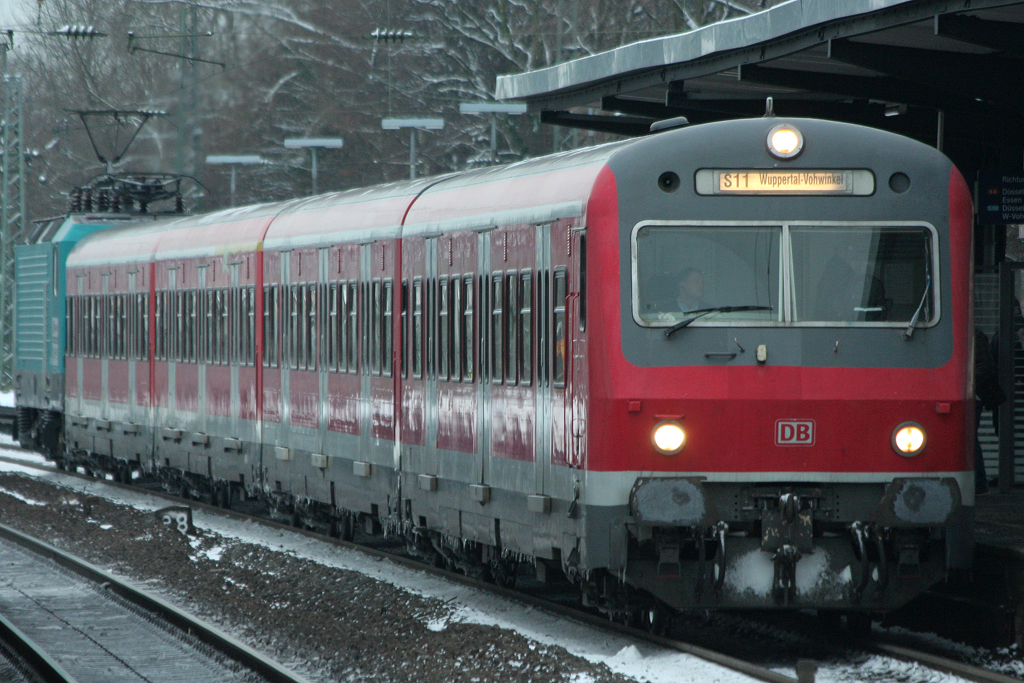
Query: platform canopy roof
x=935, y=70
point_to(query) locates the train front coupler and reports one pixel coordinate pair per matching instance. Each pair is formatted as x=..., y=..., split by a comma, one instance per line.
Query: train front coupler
x=787, y=533
x=694, y=543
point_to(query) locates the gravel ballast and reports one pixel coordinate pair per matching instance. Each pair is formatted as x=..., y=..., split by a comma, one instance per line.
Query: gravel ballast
x=326, y=622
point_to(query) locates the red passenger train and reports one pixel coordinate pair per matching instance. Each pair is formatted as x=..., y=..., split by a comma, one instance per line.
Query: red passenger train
x=721, y=366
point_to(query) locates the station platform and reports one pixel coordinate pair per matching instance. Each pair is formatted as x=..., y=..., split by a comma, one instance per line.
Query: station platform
x=987, y=607
x=998, y=577
x=999, y=521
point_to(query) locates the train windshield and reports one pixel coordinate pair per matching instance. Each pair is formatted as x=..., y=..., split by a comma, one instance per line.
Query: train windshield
x=791, y=273
x=681, y=269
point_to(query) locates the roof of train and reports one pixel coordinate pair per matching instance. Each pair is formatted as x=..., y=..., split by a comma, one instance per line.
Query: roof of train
x=555, y=186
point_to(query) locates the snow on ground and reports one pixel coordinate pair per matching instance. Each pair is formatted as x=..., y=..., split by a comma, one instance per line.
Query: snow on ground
x=639, y=662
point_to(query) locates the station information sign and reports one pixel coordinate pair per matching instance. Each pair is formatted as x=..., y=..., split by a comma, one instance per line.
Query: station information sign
x=1000, y=198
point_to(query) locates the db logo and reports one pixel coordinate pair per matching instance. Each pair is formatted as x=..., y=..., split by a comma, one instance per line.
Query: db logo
x=794, y=432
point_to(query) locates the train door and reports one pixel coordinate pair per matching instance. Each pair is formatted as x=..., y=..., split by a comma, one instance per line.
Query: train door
x=413, y=401
x=131, y=334
x=107, y=345
x=378, y=263
x=138, y=346
x=303, y=378
x=277, y=379
x=200, y=311
x=482, y=338
x=543, y=357
x=322, y=337
x=272, y=420
x=458, y=415
x=576, y=383
x=169, y=450
x=428, y=462
x=510, y=317
x=556, y=316
x=365, y=413
x=246, y=385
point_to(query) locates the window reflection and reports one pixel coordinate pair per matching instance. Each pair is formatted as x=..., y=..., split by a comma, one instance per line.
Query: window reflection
x=682, y=269
x=860, y=275
x=822, y=274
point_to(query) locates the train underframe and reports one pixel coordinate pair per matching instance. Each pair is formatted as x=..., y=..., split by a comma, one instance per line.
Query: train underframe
x=865, y=547
x=479, y=560
x=689, y=544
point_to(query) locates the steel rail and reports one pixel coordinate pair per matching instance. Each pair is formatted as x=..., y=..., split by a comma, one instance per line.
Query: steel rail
x=37, y=658
x=208, y=634
x=939, y=663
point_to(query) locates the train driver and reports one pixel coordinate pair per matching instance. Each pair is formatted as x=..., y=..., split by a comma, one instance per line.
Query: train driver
x=849, y=288
x=690, y=296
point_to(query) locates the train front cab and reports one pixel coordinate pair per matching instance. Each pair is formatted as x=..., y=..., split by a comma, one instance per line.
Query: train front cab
x=818, y=438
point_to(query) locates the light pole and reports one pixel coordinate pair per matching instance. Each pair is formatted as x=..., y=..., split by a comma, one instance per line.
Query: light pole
x=412, y=124
x=492, y=108
x=313, y=144
x=234, y=161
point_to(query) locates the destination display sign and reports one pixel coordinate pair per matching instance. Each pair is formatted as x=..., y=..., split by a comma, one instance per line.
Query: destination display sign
x=1000, y=198
x=712, y=181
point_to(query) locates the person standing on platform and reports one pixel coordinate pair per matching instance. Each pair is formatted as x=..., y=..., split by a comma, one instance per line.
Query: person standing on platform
x=988, y=394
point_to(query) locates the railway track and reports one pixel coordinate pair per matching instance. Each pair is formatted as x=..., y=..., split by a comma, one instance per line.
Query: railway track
x=8, y=419
x=71, y=621
x=805, y=670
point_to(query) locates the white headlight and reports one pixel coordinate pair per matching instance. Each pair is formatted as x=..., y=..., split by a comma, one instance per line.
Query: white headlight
x=785, y=141
x=908, y=439
x=668, y=437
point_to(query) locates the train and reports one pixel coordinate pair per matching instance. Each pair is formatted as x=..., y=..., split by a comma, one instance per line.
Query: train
x=720, y=366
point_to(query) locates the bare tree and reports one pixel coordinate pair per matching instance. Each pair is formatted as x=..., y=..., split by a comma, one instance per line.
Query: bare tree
x=240, y=76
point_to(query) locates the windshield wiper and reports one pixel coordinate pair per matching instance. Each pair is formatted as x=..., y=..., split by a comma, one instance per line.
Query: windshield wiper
x=701, y=312
x=909, y=332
